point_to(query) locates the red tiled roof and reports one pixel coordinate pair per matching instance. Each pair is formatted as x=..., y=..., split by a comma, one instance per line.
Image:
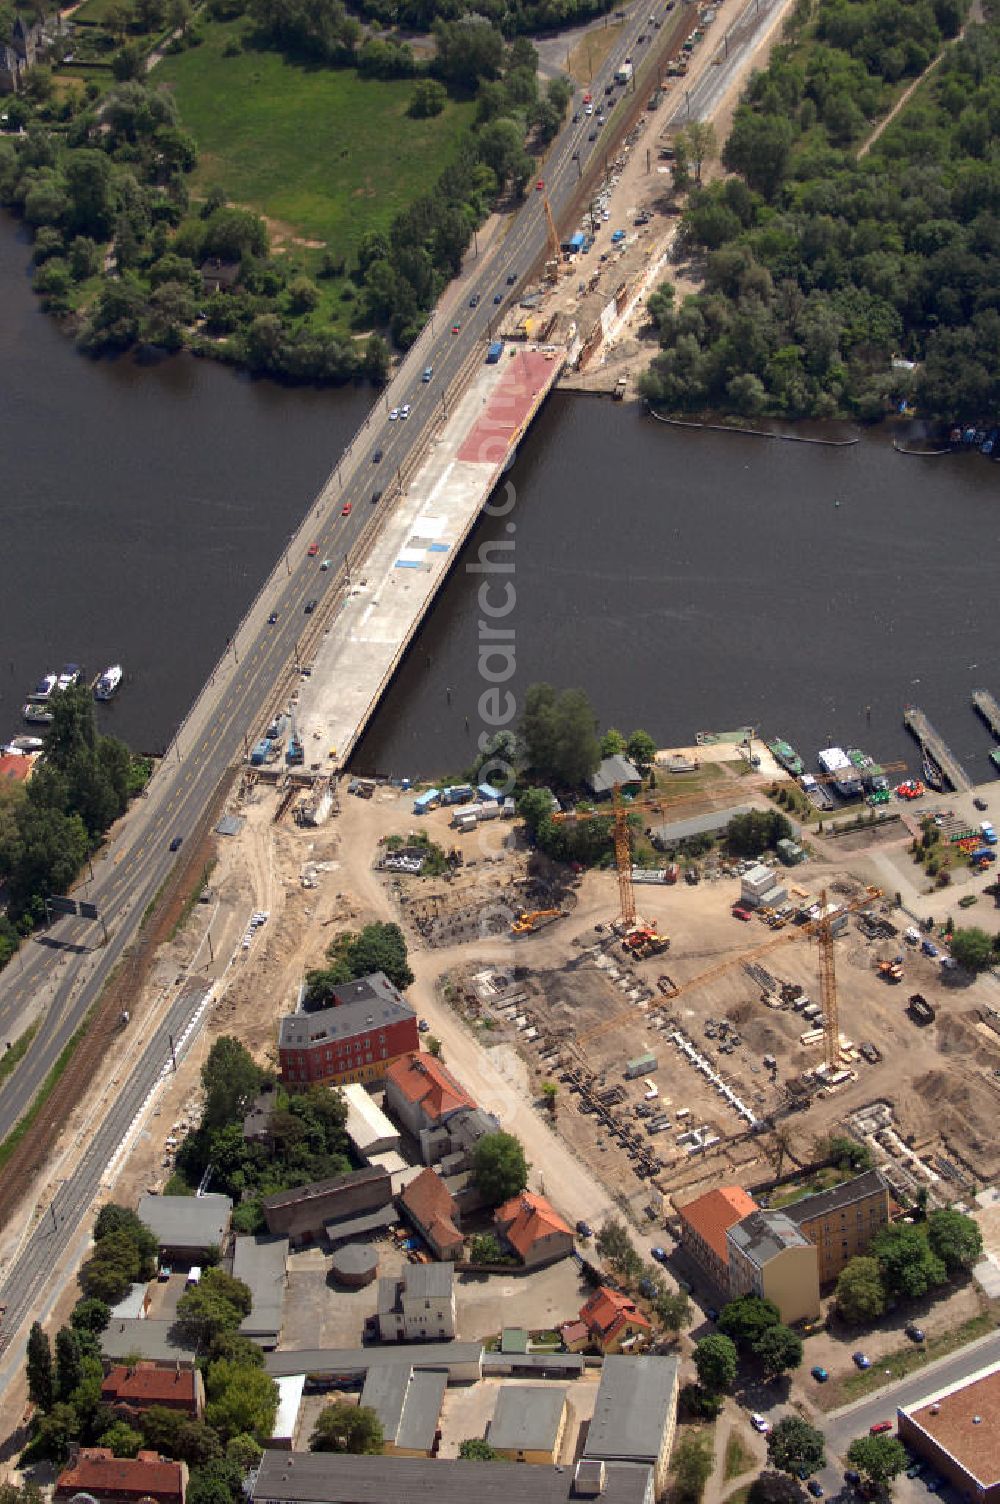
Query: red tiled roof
x=423, y=1079
x=526, y=1218
x=432, y=1206
x=714, y=1213
x=145, y=1384
x=98, y=1471
x=607, y=1310
x=16, y=767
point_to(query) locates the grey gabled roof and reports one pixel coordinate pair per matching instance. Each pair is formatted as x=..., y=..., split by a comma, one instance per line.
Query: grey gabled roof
x=186, y=1221
x=837, y=1198
x=612, y=770
x=634, y=1404
x=329, y=1478
x=526, y=1418
x=429, y=1281
x=370, y=1003
x=407, y=1402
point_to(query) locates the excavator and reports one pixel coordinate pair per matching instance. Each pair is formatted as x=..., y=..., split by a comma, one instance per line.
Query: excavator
x=526, y=923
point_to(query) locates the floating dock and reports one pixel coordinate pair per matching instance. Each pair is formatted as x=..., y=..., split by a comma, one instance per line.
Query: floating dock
x=988, y=708
x=934, y=745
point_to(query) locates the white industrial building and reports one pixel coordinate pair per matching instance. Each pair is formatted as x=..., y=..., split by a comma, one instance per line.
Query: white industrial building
x=367, y=1127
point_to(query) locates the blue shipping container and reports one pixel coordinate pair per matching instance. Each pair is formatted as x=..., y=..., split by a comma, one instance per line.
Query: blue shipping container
x=494, y=353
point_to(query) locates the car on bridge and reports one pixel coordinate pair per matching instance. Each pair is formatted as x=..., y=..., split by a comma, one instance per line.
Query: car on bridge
x=474, y=300
x=272, y=618
x=310, y=606
x=394, y=415
x=377, y=457
x=346, y=510
x=313, y=550
x=511, y=279
x=175, y=844
x=498, y=298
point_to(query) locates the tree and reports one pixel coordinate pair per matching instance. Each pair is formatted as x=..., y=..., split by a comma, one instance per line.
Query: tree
x=41, y=1377
x=878, y=1459
x=775, y=1488
x=860, y=1292
x=240, y=1400
x=231, y=1078
x=484, y=1248
x=347, y=1428
x=847, y=1154
x=244, y=1452
x=612, y=743
x=475, y=1449
x=746, y=1319
x=90, y=1316
x=378, y=947
x=908, y=1266
x=428, y=98
x=759, y=148
x=69, y=1364
x=692, y=1467
x=433, y=1046
x=614, y=1245
x=550, y=1093
x=955, y=1239
x=57, y=1430
x=179, y=1436
x=673, y=1309
x=560, y=734
x=778, y=1349
x=215, y=1482
x=303, y=295
x=642, y=748
x=217, y=1304
x=794, y=1445
x=122, y=1439
x=701, y=145
x=114, y=1219
x=499, y=1167
x=972, y=949
x=716, y=1362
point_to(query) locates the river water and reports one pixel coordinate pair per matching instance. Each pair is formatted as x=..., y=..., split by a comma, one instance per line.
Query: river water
x=687, y=581
x=142, y=506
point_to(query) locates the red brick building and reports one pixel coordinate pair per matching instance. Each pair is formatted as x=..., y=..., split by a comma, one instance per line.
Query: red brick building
x=128, y=1391
x=122, y=1480
x=357, y=1038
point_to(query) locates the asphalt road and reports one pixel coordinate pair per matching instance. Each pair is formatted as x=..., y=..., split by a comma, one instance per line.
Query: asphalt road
x=67, y=967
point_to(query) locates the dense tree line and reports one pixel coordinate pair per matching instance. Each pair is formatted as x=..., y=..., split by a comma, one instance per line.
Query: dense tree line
x=377, y=947
x=50, y=825
x=821, y=267
x=305, y=1140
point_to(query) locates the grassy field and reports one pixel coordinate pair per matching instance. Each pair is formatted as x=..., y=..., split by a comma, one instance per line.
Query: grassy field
x=323, y=152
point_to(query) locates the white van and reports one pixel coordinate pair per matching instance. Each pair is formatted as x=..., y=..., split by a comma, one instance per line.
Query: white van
x=194, y=1277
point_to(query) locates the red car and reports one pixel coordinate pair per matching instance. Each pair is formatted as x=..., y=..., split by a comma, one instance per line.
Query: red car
x=880, y=1427
x=313, y=550
x=740, y=913
x=345, y=510
x=586, y=99
x=540, y=185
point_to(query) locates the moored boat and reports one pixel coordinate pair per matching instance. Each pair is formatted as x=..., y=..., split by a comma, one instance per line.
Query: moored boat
x=784, y=753
x=872, y=774
x=45, y=688
x=835, y=762
x=108, y=684
x=37, y=714
x=71, y=674
x=933, y=776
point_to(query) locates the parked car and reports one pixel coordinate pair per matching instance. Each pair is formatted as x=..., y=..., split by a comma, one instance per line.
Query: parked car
x=915, y=1333
x=163, y=1273
x=980, y=803
x=852, y=1477
x=659, y=1254
x=880, y=1428
x=739, y=912
x=915, y=1470
x=860, y=1360
x=584, y=1230
x=815, y=1487
x=819, y=1374
x=760, y=1424
x=423, y=1026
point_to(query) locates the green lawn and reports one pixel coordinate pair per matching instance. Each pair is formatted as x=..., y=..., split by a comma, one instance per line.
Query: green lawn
x=327, y=153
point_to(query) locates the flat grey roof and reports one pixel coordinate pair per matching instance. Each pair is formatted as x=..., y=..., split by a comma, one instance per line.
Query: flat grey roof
x=358, y=1360
x=837, y=1198
x=632, y=1409
x=186, y=1221
x=429, y=1281
x=764, y=1233
x=260, y=1263
x=331, y=1478
x=526, y=1418
x=407, y=1402
x=569, y=1365
x=150, y=1339
x=133, y=1304
x=370, y=1003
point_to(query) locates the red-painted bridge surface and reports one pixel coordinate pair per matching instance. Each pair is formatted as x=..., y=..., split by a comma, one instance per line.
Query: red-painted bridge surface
x=525, y=376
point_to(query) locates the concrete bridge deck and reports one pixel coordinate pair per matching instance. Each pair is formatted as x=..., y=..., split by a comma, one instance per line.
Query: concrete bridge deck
x=394, y=585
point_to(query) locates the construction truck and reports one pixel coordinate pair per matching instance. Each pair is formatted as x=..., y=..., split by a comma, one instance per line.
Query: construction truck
x=525, y=924
x=891, y=971
x=643, y=942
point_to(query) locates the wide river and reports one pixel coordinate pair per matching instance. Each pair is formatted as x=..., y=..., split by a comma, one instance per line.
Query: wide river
x=687, y=581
